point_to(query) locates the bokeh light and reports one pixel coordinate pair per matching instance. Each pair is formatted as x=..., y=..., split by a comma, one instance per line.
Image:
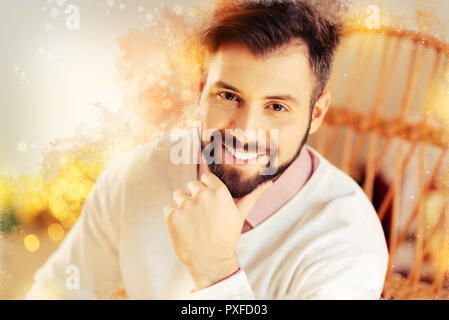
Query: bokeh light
x=31, y=242
x=56, y=232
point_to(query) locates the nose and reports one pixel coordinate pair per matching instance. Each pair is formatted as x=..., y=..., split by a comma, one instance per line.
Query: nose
x=249, y=117
x=247, y=122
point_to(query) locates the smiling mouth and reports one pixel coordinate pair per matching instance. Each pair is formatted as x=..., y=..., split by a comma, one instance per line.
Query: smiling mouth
x=243, y=157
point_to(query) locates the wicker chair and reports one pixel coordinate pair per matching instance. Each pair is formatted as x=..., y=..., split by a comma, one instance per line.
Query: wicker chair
x=388, y=128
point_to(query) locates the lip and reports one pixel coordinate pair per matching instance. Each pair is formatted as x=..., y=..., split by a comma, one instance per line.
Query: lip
x=239, y=162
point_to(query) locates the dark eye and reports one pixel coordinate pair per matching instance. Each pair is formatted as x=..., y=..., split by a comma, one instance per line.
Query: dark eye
x=228, y=96
x=277, y=107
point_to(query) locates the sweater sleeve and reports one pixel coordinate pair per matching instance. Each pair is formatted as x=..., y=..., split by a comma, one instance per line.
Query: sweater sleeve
x=235, y=287
x=85, y=266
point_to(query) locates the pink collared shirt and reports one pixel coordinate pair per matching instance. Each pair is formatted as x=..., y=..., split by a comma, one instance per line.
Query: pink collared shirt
x=281, y=191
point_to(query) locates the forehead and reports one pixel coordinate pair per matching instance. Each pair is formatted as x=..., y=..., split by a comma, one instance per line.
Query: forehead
x=286, y=69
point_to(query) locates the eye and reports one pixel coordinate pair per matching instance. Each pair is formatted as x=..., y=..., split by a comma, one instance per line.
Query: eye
x=277, y=107
x=228, y=96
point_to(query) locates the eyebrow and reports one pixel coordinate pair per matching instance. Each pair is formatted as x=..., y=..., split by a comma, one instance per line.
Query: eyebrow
x=285, y=97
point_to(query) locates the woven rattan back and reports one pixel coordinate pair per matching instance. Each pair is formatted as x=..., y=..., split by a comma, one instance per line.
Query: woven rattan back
x=388, y=128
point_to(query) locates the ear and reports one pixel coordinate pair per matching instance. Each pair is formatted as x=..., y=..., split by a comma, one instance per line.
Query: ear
x=319, y=111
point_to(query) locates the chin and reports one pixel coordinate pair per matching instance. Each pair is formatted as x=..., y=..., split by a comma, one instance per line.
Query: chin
x=238, y=181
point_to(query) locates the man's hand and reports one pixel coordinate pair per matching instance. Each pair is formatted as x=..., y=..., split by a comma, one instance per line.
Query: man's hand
x=205, y=227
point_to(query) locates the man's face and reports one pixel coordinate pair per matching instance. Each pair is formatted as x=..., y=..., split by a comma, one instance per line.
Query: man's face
x=244, y=92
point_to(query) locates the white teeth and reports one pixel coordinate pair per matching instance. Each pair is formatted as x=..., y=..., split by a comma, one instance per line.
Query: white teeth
x=242, y=156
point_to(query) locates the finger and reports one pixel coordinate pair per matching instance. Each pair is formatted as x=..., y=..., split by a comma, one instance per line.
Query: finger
x=211, y=181
x=167, y=211
x=246, y=203
x=179, y=196
x=195, y=187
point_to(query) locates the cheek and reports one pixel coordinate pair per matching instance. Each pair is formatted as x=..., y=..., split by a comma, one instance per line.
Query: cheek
x=211, y=121
x=207, y=117
x=290, y=137
x=214, y=117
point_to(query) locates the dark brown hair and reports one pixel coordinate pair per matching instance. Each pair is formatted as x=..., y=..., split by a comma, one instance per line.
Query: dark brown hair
x=264, y=26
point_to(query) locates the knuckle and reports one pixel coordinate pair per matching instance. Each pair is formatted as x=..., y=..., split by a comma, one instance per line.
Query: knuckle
x=210, y=175
x=191, y=183
x=196, y=187
x=179, y=195
x=168, y=213
x=205, y=176
x=178, y=192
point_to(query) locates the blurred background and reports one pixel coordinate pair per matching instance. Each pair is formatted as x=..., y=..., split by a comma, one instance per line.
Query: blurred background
x=85, y=80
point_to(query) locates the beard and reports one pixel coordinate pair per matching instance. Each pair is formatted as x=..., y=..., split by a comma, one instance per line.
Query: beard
x=238, y=185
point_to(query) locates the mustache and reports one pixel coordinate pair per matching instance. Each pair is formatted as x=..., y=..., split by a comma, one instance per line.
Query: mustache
x=212, y=150
x=219, y=137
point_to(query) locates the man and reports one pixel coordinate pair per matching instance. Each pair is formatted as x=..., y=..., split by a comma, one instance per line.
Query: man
x=262, y=215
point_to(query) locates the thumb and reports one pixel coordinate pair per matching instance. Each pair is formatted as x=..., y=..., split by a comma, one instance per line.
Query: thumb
x=246, y=203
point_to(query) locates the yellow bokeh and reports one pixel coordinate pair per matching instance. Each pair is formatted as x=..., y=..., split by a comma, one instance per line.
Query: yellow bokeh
x=72, y=173
x=38, y=201
x=56, y=232
x=441, y=103
x=33, y=203
x=93, y=170
x=85, y=187
x=32, y=183
x=5, y=194
x=56, y=204
x=75, y=206
x=31, y=242
x=433, y=207
x=45, y=194
x=63, y=214
x=59, y=186
x=73, y=192
x=61, y=195
x=69, y=220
